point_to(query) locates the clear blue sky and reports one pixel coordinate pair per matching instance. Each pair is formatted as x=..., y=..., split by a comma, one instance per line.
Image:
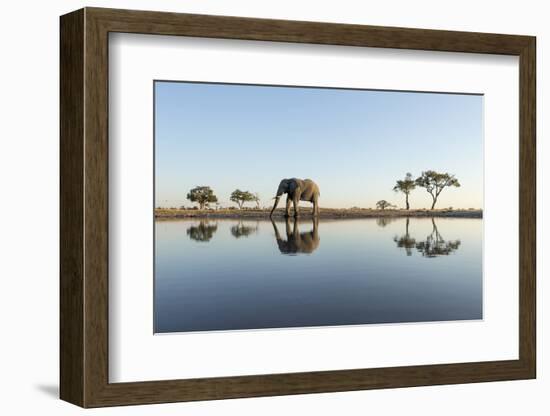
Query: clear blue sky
x=353, y=143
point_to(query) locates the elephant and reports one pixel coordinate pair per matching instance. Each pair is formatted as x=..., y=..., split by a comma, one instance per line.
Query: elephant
x=297, y=190
x=297, y=242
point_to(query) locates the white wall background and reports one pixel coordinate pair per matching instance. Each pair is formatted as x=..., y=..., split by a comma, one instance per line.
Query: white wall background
x=29, y=207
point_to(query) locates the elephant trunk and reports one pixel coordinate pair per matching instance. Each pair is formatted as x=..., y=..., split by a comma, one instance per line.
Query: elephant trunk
x=277, y=198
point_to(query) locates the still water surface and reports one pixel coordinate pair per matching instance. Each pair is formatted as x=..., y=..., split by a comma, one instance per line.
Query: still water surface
x=229, y=274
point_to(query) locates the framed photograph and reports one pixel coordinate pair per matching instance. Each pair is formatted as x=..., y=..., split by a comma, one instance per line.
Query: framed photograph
x=255, y=207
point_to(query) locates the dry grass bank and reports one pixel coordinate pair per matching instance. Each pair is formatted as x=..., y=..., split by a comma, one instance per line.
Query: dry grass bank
x=329, y=213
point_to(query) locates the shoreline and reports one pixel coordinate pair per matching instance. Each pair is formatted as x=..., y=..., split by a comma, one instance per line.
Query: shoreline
x=325, y=213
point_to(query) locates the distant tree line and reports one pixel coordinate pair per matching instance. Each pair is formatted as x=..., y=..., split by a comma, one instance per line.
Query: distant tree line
x=204, y=196
x=433, y=182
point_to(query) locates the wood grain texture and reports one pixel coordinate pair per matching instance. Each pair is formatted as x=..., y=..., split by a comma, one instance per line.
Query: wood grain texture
x=162, y=23
x=527, y=207
x=84, y=207
x=71, y=208
x=96, y=208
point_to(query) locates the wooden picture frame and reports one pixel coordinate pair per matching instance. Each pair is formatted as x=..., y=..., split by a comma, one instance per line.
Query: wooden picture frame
x=84, y=207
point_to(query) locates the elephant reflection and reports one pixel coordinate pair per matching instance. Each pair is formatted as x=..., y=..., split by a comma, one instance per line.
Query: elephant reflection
x=202, y=232
x=406, y=241
x=240, y=230
x=435, y=245
x=297, y=242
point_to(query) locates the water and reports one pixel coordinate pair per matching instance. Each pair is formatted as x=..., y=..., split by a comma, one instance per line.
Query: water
x=228, y=274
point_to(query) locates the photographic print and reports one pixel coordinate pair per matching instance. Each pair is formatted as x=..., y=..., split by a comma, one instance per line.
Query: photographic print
x=228, y=184
x=295, y=207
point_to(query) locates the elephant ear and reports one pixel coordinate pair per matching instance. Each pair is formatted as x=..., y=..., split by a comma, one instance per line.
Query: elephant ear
x=293, y=185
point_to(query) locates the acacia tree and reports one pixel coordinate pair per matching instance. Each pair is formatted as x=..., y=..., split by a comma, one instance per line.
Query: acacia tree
x=202, y=195
x=240, y=197
x=383, y=204
x=406, y=186
x=434, y=183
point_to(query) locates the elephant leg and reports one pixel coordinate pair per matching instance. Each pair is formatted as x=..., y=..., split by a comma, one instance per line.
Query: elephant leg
x=316, y=228
x=315, y=208
x=295, y=202
x=288, y=230
x=287, y=212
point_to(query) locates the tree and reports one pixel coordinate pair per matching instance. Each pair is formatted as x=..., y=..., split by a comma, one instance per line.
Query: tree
x=257, y=200
x=202, y=195
x=383, y=204
x=406, y=186
x=434, y=182
x=240, y=197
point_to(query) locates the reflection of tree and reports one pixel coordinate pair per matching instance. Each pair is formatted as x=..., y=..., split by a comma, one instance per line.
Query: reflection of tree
x=383, y=221
x=406, y=241
x=240, y=230
x=202, y=232
x=435, y=245
x=297, y=242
